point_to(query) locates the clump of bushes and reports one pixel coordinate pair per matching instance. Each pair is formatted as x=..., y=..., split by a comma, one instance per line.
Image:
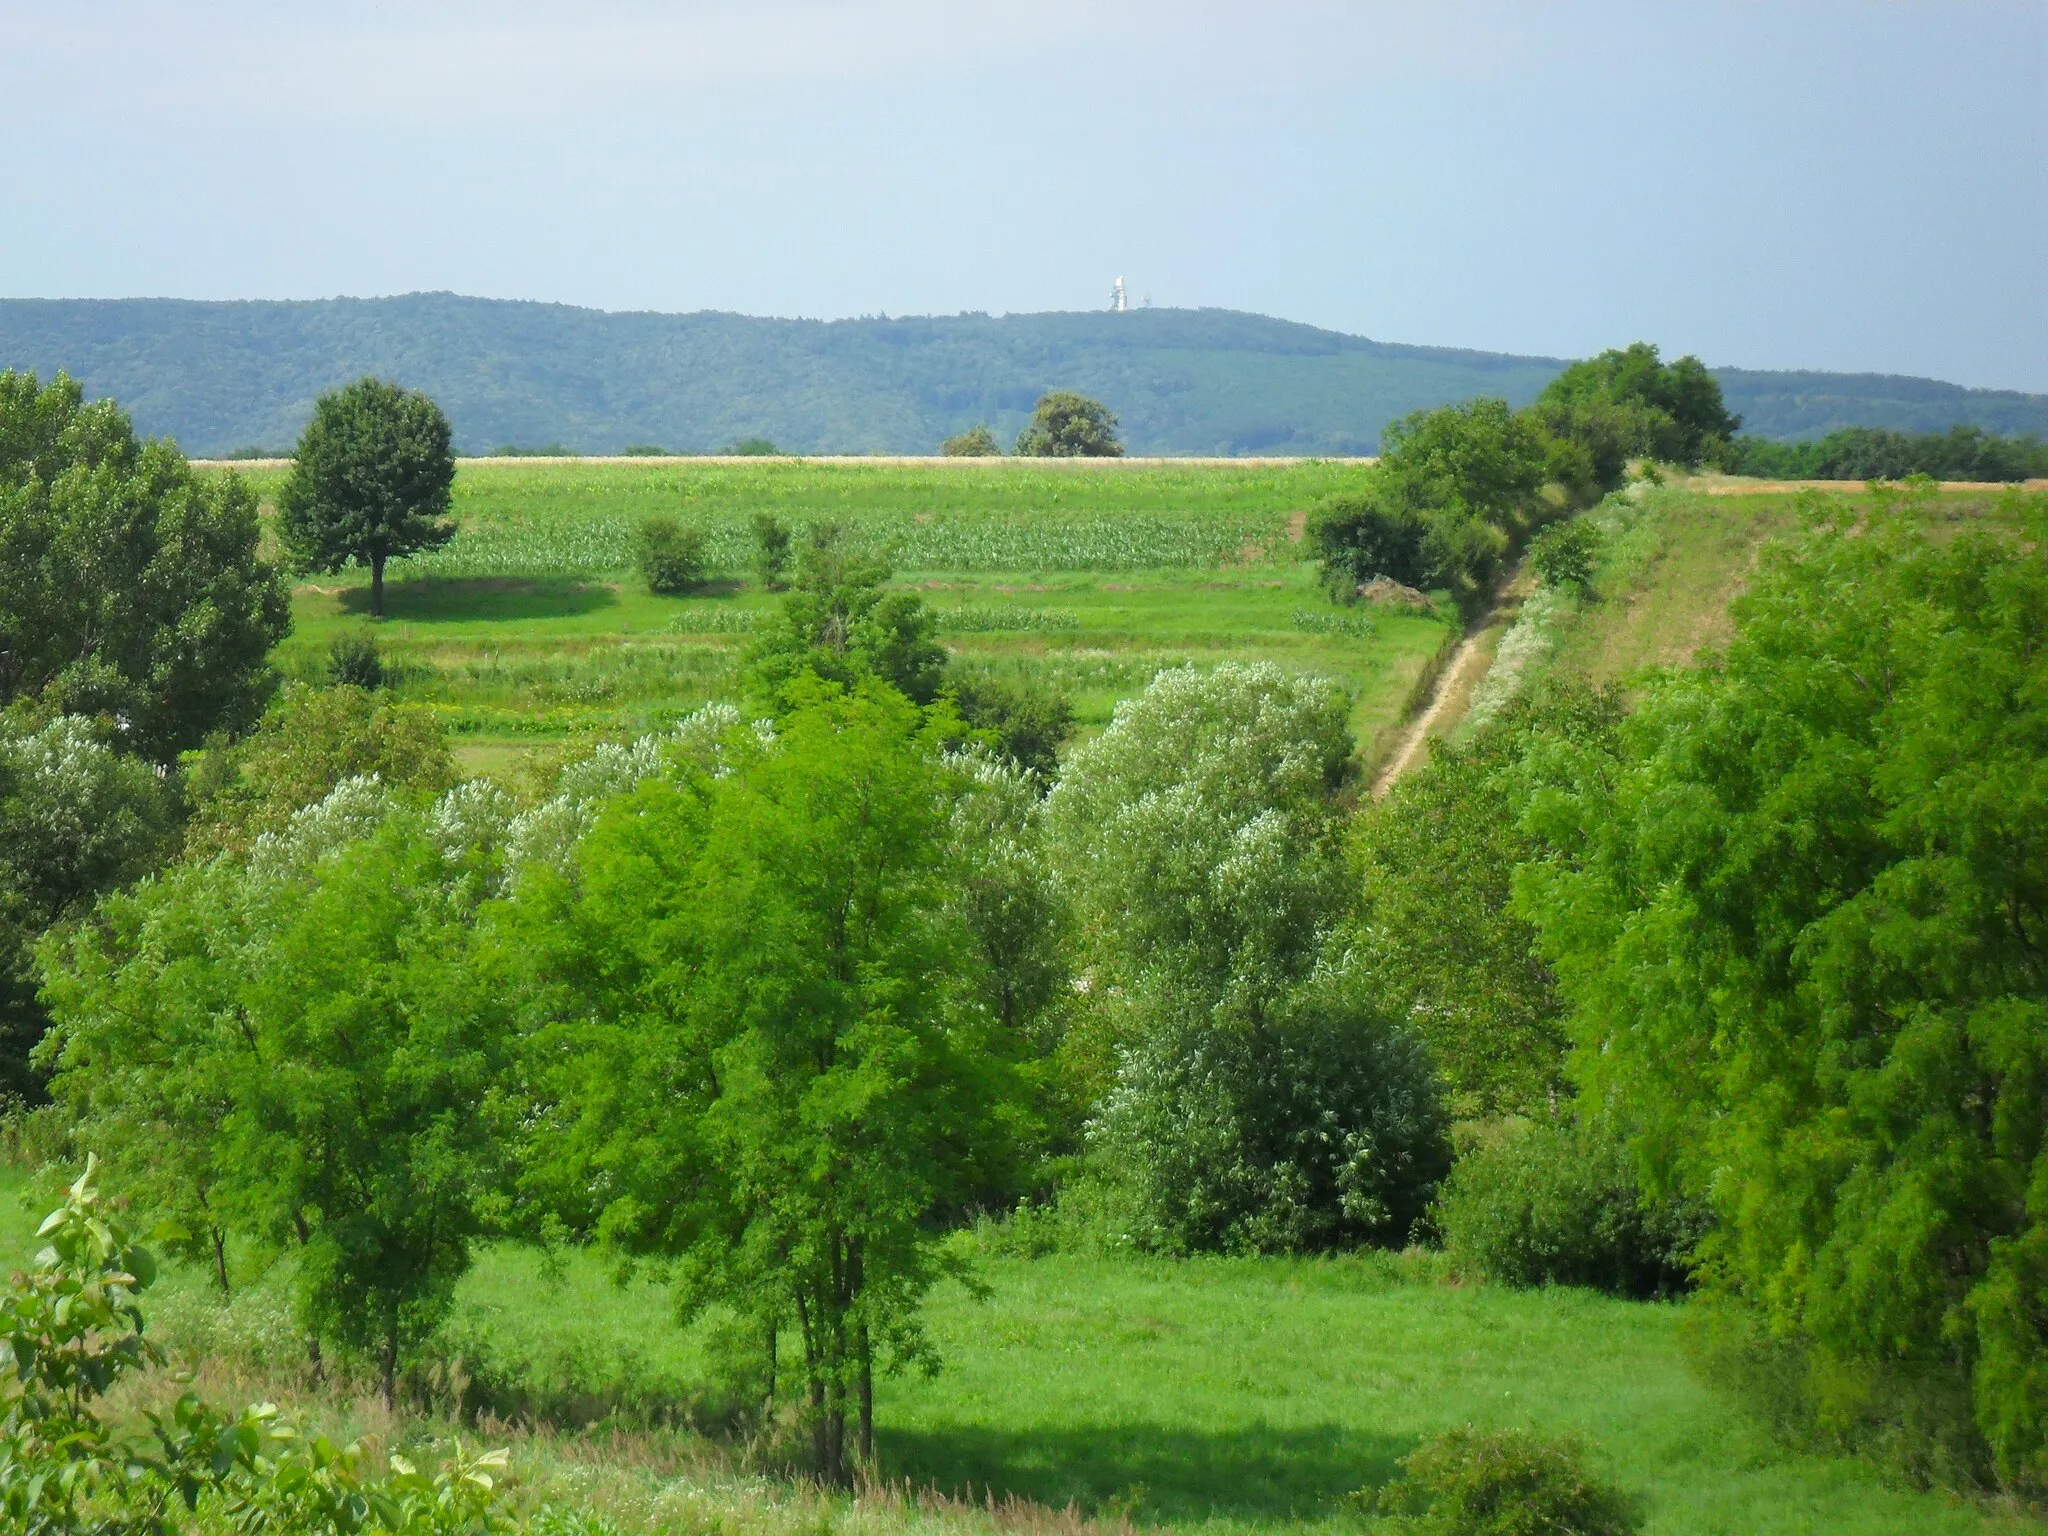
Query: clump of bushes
x=671, y=556
x=353, y=661
x=1567, y=554
x=1503, y=1483
x=977, y=442
x=1556, y=1203
x=771, y=550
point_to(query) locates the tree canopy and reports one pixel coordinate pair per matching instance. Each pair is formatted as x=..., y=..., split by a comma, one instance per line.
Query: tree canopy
x=1800, y=916
x=131, y=588
x=371, y=481
x=1065, y=425
x=1629, y=403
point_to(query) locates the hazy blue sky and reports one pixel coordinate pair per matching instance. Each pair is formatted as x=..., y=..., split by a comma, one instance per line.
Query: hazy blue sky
x=1782, y=184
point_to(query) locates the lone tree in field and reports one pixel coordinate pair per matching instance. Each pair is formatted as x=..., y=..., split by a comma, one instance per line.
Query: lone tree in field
x=1069, y=426
x=372, y=480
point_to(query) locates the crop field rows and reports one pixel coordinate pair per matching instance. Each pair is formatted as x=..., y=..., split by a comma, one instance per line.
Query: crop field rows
x=531, y=624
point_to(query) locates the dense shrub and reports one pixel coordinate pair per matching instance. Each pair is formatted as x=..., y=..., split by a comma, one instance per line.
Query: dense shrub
x=353, y=662
x=1628, y=403
x=1454, y=490
x=1566, y=554
x=1798, y=917
x=975, y=443
x=1311, y=1122
x=1509, y=1482
x=1028, y=720
x=1553, y=1203
x=670, y=555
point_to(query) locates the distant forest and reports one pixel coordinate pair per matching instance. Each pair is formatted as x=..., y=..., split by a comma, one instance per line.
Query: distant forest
x=222, y=377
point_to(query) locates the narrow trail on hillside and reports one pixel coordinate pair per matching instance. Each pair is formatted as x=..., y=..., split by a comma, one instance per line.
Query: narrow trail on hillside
x=1454, y=687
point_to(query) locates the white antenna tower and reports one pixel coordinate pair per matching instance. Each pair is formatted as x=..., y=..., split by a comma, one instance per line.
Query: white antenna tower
x=1119, y=301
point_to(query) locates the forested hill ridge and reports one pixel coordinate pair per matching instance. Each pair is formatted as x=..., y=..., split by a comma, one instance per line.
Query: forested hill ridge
x=225, y=376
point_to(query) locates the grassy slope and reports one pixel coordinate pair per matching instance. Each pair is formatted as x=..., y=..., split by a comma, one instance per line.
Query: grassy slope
x=527, y=628
x=1225, y=1395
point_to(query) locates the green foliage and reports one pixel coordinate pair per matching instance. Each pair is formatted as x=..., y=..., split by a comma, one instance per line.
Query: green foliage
x=776, y=952
x=311, y=740
x=1259, y=1103
x=315, y=1056
x=1471, y=1482
x=977, y=442
x=670, y=556
x=1567, y=554
x=1552, y=1202
x=771, y=549
x=1278, y=1124
x=1874, y=453
x=1200, y=832
x=754, y=448
x=838, y=624
x=643, y=451
x=1065, y=425
x=1628, y=403
x=1365, y=536
x=1797, y=915
x=76, y=819
x=353, y=662
x=1453, y=490
x=1026, y=721
x=130, y=586
x=72, y=1328
x=370, y=482
x=1434, y=864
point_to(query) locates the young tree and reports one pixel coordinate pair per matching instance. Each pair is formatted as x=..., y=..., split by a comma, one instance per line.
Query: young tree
x=311, y=1055
x=1065, y=425
x=840, y=625
x=371, y=481
x=130, y=585
x=771, y=550
x=754, y=1045
x=1799, y=917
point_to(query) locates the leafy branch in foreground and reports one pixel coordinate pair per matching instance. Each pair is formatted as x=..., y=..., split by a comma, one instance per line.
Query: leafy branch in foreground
x=71, y=1329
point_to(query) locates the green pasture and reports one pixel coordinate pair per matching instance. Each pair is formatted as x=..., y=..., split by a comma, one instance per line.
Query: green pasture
x=1092, y=576
x=1222, y=1395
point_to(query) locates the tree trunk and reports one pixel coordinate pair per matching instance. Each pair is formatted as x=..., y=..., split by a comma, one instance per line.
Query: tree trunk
x=220, y=1260
x=768, y=1406
x=313, y=1360
x=377, y=586
x=867, y=1402
x=390, y=1371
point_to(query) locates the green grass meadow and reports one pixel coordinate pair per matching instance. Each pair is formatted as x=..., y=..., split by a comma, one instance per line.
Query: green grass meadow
x=531, y=627
x=1214, y=1395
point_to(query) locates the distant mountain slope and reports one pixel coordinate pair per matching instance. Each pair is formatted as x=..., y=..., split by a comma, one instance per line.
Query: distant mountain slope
x=219, y=376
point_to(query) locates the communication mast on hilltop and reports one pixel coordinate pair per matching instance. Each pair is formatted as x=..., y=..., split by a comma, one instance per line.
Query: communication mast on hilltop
x=1119, y=301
